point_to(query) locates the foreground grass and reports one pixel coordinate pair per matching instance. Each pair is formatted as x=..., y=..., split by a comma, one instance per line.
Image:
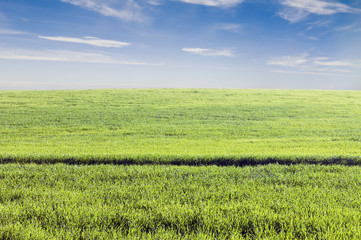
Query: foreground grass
x=175, y=126
x=171, y=202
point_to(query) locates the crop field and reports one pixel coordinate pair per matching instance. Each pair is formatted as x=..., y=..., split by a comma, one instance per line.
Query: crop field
x=180, y=202
x=180, y=164
x=175, y=126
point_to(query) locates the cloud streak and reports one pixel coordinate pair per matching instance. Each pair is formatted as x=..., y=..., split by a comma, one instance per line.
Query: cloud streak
x=304, y=73
x=209, y=52
x=229, y=27
x=289, y=61
x=304, y=64
x=128, y=11
x=89, y=41
x=214, y=3
x=5, y=31
x=65, y=56
x=297, y=10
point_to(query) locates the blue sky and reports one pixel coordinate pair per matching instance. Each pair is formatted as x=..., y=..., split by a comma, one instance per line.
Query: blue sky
x=83, y=44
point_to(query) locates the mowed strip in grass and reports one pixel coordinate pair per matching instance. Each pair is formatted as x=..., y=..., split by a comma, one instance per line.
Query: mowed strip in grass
x=172, y=202
x=180, y=126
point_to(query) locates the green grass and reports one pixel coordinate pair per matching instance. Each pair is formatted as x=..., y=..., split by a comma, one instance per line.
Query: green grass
x=172, y=202
x=180, y=126
x=155, y=127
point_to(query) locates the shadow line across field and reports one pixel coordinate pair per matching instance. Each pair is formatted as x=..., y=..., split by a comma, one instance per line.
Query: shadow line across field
x=187, y=161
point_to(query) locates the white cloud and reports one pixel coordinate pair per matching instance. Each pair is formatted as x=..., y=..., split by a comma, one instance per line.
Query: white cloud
x=344, y=28
x=214, y=3
x=313, y=38
x=154, y=2
x=293, y=15
x=341, y=63
x=289, y=61
x=304, y=73
x=89, y=40
x=209, y=52
x=351, y=27
x=319, y=24
x=319, y=6
x=296, y=10
x=65, y=56
x=230, y=27
x=317, y=29
x=314, y=65
x=128, y=10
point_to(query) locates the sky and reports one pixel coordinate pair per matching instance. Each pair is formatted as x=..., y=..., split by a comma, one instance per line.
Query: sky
x=260, y=44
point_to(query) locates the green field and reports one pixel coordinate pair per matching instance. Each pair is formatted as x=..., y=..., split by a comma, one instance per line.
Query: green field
x=175, y=126
x=113, y=172
x=173, y=202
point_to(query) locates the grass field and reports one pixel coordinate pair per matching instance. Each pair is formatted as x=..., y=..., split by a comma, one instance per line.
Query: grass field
x=190, y=126
x=114, y=154
x=173, y=202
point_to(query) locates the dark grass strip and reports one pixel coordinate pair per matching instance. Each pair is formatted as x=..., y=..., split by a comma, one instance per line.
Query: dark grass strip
x=185, y=160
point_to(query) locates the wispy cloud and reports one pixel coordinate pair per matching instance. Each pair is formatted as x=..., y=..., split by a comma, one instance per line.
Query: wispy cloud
x=289, y=61
x=127, y=10
x=209, y=52
x=304, y=72
x=89, y=40
x=351, y=27
x=319, y=24
x=154, y=2
x=293, y=15
x=230, y=27
x=5, y=31
x=297, y=10
x=214, y=3
x=318, y=29
x=335, y=63
x=65, y=56
x=304, y=64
